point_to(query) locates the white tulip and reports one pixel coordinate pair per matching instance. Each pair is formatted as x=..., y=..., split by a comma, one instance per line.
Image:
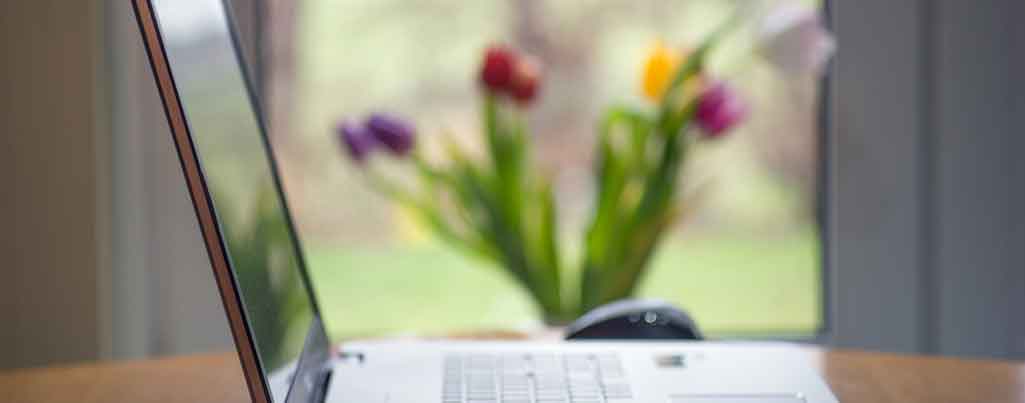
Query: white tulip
x=793, y=39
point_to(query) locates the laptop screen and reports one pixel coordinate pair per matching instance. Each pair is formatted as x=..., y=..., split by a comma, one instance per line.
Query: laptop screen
x=235, y=160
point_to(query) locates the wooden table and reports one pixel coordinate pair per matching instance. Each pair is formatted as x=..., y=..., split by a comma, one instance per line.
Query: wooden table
x=854, y=376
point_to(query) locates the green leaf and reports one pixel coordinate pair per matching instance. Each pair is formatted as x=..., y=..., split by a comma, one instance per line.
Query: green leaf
x=545, y=250
x=642, y=246
x=615, y=168
x=522, y=233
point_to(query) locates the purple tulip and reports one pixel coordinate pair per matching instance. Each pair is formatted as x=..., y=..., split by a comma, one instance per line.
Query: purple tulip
x=392, y=132
x=357, y=140
x=719, y=110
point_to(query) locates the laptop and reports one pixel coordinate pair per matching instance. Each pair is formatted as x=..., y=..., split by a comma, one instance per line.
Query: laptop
x=276, y=322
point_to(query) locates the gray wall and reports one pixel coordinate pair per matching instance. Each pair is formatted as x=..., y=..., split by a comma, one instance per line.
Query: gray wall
x=100, y=250
x=164, y=298
x=929, y=184
x=978, y=115
x=163, y=294
x=53, y=169
x=876, y=169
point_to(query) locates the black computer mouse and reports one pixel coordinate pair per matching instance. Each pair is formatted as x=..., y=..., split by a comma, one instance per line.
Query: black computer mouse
x=637, y=319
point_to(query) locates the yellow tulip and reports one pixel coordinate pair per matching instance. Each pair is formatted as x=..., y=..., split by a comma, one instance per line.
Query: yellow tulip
x=658, y=71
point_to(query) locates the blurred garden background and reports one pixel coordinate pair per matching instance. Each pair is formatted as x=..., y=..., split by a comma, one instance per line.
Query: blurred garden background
x=747, y=262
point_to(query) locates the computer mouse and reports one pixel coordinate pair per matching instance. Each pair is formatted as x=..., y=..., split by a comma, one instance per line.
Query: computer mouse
x=635, y=319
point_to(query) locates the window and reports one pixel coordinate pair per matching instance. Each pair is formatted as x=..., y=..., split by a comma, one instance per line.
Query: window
x=747, y=262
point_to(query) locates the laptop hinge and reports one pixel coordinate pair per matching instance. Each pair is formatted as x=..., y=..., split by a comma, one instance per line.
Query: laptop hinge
x=313, y=370
x=325, y=383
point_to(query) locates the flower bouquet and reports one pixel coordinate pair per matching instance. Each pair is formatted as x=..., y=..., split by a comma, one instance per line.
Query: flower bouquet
x=499, y=207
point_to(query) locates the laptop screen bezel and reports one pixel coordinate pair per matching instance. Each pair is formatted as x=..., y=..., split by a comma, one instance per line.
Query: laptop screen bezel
x=206, y=215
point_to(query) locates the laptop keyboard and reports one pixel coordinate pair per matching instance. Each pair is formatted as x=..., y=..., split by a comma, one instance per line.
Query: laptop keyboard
x=534, y=378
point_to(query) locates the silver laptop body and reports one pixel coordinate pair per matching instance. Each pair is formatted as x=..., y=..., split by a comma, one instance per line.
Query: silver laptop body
x=258, y=265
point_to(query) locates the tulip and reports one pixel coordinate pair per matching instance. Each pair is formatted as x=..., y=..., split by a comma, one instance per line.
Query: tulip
x=525, y=79
x=357, y=140
x=658, y=71
x=497, y=70
x=392, y=132
x=793, y=39
x=719, y=109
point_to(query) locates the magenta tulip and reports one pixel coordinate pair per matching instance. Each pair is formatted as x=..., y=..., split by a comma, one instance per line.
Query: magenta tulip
x=719, y=110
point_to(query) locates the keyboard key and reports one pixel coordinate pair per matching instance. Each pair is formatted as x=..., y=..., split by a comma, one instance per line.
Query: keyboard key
x=534, y=378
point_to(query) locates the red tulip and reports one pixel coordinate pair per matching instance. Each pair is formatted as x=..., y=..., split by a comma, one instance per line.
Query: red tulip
x=497, y=71
x=525, y=80
x=719, y=110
